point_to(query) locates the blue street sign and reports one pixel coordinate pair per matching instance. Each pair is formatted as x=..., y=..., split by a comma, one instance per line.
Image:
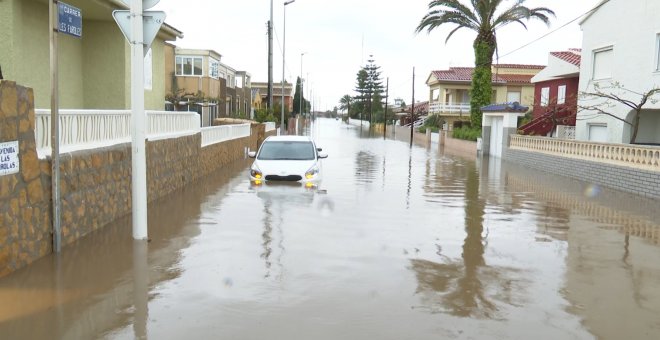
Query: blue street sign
x=70, y=20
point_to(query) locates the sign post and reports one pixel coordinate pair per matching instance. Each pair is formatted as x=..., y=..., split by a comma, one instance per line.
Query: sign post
x=62, y=18
x=134, y=25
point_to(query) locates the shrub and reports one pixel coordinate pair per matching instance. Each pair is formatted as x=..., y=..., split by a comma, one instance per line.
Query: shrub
x=263, y=115
x=467, y=133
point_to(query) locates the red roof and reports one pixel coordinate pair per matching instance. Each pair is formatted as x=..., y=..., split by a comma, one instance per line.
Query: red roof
x=464, y=74
x=572, y=56
x=520, y=66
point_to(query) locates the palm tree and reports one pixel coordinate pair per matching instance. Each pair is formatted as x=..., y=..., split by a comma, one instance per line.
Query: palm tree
x=345, y=103
x=482, y=18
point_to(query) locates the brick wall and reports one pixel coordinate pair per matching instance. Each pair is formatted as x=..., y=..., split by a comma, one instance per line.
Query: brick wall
x=25, y=228
x=630, y=180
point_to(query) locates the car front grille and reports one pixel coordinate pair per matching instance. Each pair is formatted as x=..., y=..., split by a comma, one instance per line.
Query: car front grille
x=289, y=178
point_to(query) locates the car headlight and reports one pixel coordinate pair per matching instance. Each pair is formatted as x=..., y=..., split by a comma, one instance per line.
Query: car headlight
x=312, y=172
x=256, y=173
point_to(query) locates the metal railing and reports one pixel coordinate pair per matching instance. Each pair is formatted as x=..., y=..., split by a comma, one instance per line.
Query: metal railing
x=270, y=126
x=640, y=157
x=86, y=129
x=216, y=134
x=449, y=108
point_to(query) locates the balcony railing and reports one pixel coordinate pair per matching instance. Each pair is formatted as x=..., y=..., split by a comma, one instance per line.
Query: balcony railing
x=639, y=157
x=87, y=129
x=449, y=108
x=217, y=134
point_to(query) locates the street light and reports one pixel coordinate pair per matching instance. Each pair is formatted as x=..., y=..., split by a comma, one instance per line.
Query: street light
x=300, y=97
x=283, y=64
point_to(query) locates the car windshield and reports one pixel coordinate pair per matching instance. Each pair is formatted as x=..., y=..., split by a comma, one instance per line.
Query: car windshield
x=287, y=150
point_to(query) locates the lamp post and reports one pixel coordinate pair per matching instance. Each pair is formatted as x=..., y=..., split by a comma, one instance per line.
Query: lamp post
x=301, y=97
x=283, y=64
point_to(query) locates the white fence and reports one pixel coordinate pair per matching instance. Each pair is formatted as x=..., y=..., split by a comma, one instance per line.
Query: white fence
x=86, y=129
x=357, y=122
x=217, y=134
x=640, y=157
x=270, y=126
x=445, y=108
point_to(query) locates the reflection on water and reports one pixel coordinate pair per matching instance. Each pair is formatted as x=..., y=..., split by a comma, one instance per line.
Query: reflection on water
x=467, y=287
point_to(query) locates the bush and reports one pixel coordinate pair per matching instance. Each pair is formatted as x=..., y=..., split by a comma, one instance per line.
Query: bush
x=423, y=128
x=467, y=133
x=262, y=115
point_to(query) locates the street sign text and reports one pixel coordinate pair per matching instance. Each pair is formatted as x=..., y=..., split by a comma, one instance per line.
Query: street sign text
x=70, y=20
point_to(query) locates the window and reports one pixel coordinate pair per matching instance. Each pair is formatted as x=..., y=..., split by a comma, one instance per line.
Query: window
x=545, y=96
x=514, y=94
x=561, y=94
x=189, y=66
x=603, y=63
x=214, y=68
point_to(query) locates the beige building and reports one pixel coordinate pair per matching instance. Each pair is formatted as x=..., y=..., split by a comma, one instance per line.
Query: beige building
x=449, y=90
x=94, y=70
x=277, y=93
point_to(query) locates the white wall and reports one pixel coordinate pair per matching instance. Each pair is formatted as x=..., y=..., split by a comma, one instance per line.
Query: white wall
x=631, y=27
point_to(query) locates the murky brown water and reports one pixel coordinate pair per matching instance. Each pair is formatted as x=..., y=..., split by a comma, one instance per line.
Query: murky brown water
x=398, y=243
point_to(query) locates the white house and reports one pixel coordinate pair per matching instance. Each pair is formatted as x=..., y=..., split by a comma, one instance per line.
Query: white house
x=621, y=44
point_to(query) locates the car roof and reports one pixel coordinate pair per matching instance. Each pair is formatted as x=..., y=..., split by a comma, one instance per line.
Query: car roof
x=288, y=139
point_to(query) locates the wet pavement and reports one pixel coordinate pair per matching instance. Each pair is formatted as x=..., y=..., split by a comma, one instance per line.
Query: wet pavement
x=396, y=243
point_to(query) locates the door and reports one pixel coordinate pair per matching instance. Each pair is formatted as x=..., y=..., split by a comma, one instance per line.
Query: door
x=598, y=133
x=496, y=136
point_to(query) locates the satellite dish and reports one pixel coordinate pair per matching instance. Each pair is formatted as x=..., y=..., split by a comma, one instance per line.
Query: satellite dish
x=146, y=4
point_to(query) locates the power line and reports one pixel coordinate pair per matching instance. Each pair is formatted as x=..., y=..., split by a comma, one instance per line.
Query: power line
x=555, y=30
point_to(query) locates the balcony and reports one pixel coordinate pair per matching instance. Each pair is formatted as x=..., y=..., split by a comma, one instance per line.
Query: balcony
x=449, y=109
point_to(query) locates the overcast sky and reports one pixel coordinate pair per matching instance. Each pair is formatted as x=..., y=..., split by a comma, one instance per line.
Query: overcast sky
x=339, y=35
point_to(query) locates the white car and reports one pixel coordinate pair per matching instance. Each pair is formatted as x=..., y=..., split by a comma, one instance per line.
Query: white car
x=287, y=158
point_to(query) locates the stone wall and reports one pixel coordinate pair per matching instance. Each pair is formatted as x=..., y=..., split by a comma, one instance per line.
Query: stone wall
x=458, y=146
x=626, y=179
x=25, y=228
x=95, y=184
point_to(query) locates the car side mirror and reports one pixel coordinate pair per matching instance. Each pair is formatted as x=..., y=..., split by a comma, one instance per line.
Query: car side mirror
x=319, y=149
x=252, y=154
x=323, y=155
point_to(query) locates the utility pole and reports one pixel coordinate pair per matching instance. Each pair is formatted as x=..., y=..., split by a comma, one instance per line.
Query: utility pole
x=387, y=94
x=270, y=58
x=282, y=106
x=412, y=110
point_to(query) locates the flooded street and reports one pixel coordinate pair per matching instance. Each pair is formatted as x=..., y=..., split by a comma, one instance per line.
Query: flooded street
x=396, y=243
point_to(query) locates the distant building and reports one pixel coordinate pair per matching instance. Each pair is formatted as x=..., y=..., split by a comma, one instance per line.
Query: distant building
x=449, y=90
x=277, y=93
x=555, y=94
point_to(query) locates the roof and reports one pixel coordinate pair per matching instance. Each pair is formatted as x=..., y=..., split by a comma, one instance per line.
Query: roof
x=520, y=66
x=569, y=56
x=464, y=74
x=505, y=107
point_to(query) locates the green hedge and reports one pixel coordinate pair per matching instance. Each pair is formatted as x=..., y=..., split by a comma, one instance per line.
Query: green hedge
x=466, y=133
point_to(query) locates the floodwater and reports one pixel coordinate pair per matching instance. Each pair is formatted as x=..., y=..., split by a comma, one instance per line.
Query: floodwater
x=396, y=243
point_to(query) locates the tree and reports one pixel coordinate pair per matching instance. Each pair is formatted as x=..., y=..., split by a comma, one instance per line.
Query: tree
x=616, y=93
x=297, y=97
x=482, y=18
x=362, y=89
x=369, y=88
x=345, y=103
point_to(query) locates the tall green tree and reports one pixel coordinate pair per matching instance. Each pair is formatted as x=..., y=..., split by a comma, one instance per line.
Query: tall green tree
x=362, y=94
x=484, y=17
x=375, y=88
x=298, y=97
